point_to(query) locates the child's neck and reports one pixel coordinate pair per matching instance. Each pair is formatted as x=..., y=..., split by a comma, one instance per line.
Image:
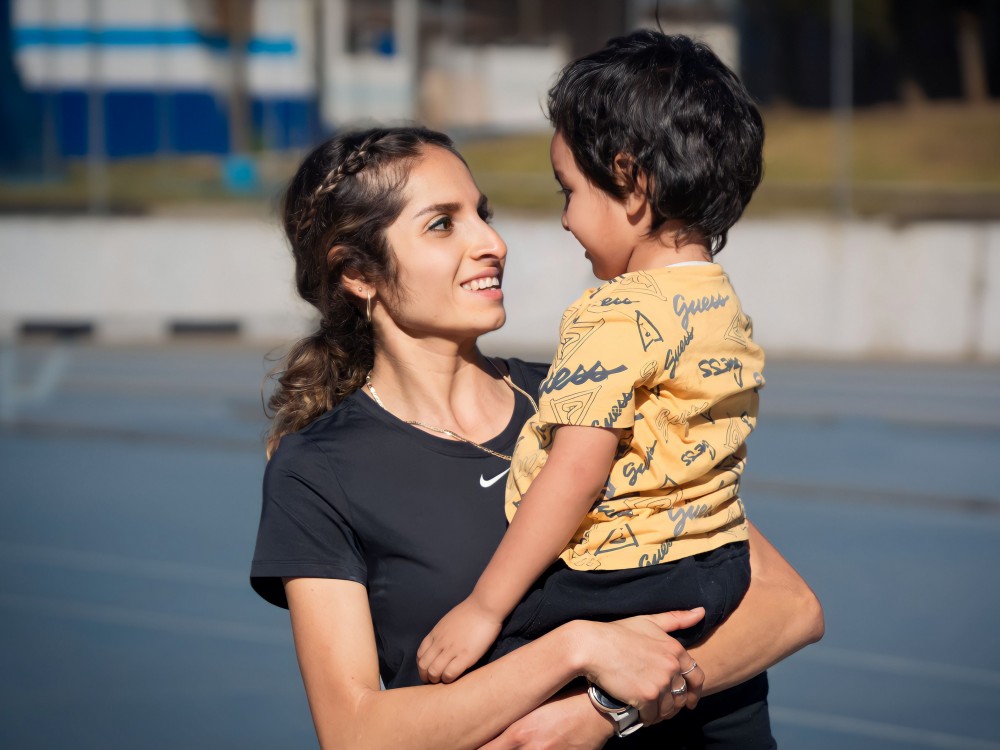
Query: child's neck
x=663, y=250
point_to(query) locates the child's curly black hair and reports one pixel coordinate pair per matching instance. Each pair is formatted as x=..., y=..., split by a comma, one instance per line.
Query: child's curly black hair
x=665, y=114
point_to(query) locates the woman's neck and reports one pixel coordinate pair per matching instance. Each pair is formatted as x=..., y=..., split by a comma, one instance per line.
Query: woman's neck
x=443, y=384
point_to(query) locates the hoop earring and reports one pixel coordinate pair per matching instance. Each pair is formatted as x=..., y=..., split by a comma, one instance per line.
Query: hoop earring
x=368, y=308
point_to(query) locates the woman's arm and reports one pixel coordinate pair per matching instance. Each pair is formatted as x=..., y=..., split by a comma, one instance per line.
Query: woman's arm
x=778, y=616
x=335, y=645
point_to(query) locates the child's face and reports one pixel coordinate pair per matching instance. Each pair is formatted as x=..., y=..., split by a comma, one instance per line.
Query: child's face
x=599, y=222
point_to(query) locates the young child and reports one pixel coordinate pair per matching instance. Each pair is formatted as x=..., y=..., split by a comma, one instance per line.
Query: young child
x=657, y=149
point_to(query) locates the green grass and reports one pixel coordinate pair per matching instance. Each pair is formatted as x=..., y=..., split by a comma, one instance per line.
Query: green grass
x=143, y=185
x=940, y=160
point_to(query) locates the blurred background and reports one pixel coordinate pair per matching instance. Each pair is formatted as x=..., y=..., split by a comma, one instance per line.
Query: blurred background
x=145, y=291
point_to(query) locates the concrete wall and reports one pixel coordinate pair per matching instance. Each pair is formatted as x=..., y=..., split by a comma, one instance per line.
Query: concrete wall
x=134, y=277
x=813, y=288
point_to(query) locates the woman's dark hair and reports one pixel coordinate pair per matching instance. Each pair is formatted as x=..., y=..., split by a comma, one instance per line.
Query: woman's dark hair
x=663, y=112
x=336, y=211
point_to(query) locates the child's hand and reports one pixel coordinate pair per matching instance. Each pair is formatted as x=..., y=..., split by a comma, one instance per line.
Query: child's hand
x=457, y=642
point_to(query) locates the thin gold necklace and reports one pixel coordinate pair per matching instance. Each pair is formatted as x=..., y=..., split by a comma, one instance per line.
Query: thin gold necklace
x=449, y=433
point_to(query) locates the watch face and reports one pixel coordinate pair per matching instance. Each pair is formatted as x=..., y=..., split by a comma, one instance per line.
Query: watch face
x=605, y=700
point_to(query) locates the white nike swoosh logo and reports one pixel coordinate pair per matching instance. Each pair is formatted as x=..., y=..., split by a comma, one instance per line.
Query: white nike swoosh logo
x=484, y=482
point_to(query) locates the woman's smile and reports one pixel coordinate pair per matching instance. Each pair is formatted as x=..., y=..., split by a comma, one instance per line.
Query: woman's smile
x=486, y=285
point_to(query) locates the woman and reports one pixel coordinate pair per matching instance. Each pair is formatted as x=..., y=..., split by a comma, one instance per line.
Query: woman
x=384, y=500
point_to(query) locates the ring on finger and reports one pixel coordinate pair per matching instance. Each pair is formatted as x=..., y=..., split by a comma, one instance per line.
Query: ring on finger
x=681, y=690
x=689, y=670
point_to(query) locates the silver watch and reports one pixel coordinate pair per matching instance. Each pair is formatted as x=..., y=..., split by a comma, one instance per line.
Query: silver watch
x=625, y=717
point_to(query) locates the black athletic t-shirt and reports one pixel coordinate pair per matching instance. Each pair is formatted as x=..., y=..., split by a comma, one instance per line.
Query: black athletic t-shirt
x=361, y=495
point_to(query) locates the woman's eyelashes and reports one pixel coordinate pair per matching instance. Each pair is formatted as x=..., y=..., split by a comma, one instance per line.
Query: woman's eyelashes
x=441, y=224
x=446, y=223
x=565, y=193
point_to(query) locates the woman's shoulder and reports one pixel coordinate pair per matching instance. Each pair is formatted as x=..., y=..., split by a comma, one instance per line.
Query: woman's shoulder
x=337, y=427
x=309, y=464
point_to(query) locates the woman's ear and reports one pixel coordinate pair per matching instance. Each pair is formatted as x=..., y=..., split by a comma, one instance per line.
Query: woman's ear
x=352, y=281
x=356, y=285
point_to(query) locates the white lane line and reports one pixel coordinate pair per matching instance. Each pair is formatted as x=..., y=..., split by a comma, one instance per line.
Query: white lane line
x=147, y=620
x=8, y=384
x=97, y=562
x=50, y=372
x=899, y=665
x=857, y=386
x=827, y=491
x=878, y=730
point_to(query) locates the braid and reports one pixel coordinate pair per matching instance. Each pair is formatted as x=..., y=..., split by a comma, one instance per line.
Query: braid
x=353, y=163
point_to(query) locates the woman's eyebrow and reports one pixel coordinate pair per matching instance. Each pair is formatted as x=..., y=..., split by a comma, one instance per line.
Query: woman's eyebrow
x=438, y=208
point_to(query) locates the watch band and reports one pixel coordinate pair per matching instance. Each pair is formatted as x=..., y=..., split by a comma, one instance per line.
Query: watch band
x=625, y=717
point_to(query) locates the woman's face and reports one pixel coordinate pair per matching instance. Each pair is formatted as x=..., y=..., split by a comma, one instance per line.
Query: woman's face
x=449, y=259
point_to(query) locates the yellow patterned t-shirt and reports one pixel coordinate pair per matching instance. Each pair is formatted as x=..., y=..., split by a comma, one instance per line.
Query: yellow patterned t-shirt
x=665, y=355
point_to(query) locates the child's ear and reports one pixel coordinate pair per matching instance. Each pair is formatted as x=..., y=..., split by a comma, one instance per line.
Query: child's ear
x=633, y=181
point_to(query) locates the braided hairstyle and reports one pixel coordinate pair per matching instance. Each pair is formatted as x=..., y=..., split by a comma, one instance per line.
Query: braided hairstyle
x=336, y=211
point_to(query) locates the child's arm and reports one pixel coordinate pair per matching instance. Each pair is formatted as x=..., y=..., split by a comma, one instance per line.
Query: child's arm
x=550, y=512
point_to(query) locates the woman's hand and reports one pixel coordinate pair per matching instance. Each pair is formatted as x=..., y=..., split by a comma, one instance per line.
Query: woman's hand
x=638, y=655
x=639, y=664
x=457, y=642
x=567, y=721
